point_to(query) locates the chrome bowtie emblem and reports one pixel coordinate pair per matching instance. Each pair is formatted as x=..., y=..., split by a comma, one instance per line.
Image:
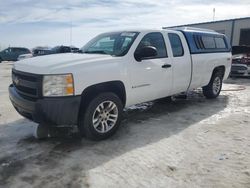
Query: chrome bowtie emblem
x=16, y=81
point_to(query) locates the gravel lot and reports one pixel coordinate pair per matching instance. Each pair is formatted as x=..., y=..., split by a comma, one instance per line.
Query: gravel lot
x=185, y=143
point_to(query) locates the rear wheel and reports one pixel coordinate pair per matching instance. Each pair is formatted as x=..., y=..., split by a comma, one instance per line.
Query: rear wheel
x=101, y=117
x=212, y=90
x=1, y=60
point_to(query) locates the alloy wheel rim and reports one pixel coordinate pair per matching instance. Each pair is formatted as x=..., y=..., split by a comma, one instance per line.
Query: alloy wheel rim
x=216, y=85
x=105, y=116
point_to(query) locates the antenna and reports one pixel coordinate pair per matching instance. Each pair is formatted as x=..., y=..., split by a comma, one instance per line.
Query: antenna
x=70, y=31
x=213, y=14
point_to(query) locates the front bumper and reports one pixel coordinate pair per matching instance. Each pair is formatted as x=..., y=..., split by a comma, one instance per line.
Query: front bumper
x=54, y=111
x=241, y=70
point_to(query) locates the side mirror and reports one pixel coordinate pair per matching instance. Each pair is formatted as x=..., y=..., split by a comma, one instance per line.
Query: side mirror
x=145, y=53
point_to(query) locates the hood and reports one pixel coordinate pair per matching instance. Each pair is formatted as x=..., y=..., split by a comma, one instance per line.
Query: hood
x=50, y=63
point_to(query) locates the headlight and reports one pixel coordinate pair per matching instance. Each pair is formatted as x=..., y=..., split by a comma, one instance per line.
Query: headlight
x=58, y=85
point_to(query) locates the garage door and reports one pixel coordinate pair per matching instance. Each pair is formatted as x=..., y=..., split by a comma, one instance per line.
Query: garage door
x=245, y=37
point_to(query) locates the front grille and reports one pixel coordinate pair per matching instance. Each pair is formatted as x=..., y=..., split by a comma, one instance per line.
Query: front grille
x=27, y=85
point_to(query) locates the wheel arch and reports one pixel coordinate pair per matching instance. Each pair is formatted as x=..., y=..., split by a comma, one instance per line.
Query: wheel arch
x=117, y=87
x=221, y=69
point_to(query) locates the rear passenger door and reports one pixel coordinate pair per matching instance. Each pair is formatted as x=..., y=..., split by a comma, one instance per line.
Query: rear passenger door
x=181, y=62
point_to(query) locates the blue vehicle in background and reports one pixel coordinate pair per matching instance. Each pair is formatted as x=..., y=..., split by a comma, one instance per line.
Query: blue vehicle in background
x=12, y=53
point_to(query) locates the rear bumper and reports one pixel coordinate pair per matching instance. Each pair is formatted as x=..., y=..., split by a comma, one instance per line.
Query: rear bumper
x=54, y=111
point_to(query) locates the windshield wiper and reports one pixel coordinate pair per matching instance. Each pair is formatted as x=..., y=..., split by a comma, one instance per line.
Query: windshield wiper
x=96, y=52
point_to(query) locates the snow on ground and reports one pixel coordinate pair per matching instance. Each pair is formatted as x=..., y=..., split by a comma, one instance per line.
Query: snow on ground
x=185, y=143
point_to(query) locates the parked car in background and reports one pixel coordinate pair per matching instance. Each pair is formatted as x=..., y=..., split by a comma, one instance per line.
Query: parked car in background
x=240, y=65
x=24, y=56
x=12, y=53
x=74, y=49
x=56, y=50
x=38, y=51
x=60, y=49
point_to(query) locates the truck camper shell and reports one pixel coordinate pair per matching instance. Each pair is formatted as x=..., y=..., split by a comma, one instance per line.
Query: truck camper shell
x=204, y=40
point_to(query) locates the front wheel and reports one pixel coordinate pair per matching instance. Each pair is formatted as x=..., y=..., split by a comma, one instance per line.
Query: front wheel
x=212, y=90
x=102, y=116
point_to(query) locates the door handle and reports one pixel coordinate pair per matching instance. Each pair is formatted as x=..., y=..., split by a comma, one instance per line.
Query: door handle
x=165, y=66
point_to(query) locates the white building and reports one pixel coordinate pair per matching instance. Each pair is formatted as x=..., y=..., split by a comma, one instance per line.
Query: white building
x=237, y=30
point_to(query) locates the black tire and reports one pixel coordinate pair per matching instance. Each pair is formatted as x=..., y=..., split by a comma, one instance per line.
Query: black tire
x=86, y=118
x=209, y=91
x=1, y=60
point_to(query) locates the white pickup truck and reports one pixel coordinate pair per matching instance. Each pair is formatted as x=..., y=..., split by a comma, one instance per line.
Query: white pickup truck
x=116, y=70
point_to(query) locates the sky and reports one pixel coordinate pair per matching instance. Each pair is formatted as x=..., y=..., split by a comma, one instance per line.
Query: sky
x=31, y=23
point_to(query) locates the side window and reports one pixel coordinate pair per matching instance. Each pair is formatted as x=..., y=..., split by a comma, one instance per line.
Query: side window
x=220, y=43
x=198, y=42
x=208, y=42
x=16, y=50
x=156, y=40
x=22, y=50
x=176, y=45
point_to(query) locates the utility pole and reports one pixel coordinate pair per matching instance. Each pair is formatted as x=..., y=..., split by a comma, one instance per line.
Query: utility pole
x=213, y=14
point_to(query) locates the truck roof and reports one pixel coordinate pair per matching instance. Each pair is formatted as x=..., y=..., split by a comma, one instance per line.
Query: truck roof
x=180, y=29
x=193, y=30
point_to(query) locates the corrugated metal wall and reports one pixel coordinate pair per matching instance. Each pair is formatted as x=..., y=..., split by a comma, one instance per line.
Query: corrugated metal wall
x=233, y=29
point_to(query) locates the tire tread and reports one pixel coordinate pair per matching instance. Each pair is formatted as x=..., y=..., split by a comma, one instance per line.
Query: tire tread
x=208, y=89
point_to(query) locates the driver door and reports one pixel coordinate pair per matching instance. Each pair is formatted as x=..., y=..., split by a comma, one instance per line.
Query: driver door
x=151, y=78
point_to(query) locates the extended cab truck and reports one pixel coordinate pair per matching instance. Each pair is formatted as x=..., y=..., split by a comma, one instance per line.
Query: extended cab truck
x=116, y=70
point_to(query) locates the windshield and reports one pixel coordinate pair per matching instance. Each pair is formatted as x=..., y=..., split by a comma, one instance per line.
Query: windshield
x=115, y=44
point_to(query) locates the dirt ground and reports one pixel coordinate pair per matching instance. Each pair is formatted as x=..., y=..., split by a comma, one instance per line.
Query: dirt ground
x=185, y=143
